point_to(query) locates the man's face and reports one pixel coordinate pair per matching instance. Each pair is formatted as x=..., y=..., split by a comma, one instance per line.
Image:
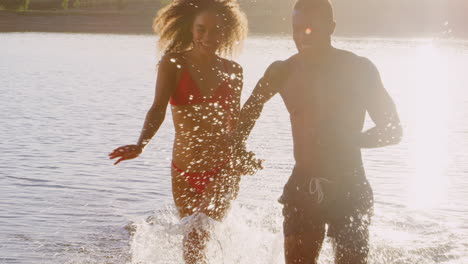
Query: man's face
x=311, y=29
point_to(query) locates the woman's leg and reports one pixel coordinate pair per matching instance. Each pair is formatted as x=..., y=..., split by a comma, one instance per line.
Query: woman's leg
x=189, y=203
x=220, y=194
x=214, y=202
x=194, y=246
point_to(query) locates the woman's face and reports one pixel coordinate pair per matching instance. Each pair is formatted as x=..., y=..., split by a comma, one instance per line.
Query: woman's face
x=207, y=32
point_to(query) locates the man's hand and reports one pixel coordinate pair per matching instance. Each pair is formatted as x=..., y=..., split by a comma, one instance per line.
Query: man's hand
x=245, y=161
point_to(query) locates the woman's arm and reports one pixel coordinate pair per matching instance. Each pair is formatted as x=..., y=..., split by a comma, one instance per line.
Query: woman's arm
x=164, y=89
x=156, y=114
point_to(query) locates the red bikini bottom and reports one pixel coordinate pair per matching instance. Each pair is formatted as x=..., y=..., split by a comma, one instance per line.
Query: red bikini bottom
x=199, y=180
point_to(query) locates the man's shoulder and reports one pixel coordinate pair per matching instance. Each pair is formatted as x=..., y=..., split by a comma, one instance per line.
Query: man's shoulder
x=350, y=58
x=360, y=69
x=281, y=66
x=277, y=66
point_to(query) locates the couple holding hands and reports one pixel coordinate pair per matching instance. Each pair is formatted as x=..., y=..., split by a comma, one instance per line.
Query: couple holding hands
x=327, y=92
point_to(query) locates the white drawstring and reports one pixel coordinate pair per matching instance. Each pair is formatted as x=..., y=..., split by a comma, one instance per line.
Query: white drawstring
x=317, y=182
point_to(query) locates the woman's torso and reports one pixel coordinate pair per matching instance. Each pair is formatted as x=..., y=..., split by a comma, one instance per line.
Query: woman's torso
x=203, y=117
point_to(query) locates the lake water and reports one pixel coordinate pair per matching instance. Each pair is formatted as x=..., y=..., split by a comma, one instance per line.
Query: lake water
x=66, y=100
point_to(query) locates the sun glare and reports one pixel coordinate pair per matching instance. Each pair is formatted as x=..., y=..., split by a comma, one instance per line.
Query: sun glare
x=428, y=128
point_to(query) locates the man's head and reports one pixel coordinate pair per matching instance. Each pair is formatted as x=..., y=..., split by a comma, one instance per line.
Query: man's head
x=313, y=25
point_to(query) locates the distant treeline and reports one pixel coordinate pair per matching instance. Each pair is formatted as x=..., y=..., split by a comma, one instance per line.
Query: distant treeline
x=263, y=6
x=24, y=5
x=393, y=18
x=264, y=15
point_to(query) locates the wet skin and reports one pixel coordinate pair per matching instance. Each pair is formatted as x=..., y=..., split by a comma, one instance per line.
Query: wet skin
x=203, y=132
x=327, y=93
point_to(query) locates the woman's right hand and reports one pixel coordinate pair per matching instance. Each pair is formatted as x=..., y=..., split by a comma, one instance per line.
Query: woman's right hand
x=127, y=152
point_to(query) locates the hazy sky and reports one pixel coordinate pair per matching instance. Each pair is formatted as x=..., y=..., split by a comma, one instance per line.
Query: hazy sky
x=381, y=17
x=401, y=16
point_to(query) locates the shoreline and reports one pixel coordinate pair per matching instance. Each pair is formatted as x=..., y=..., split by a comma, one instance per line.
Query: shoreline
x=76, y=22
x=100, y=21
x=140, y=22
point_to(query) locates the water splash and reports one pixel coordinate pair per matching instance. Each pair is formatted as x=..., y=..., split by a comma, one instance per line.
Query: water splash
x=247, y=235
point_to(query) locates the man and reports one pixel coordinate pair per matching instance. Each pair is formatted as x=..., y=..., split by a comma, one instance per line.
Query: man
x=327, y=92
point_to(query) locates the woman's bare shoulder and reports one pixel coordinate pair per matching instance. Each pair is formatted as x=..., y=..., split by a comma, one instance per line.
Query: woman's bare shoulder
x=232, y=66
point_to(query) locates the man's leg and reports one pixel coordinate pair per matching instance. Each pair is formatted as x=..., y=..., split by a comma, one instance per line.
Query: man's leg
x=304, y=248
x=349, y=227
x=303, y=234
x=352, y=244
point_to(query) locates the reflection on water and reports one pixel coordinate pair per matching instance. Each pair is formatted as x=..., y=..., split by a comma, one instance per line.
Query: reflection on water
x=429, y=128
x=68, y=99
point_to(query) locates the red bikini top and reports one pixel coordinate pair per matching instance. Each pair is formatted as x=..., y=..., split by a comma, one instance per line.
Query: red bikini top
x=188, y=92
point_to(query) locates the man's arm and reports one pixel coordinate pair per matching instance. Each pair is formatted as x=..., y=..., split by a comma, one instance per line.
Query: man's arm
x=266, y=88
x=381, y=109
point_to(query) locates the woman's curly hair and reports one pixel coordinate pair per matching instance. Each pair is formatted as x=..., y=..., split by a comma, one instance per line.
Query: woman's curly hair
x=173, y=24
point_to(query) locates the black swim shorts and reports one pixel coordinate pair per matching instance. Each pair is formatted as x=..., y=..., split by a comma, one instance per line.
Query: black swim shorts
x=346, y=206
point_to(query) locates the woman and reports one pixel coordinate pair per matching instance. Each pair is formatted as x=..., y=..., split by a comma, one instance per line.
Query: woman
x=204, y=92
